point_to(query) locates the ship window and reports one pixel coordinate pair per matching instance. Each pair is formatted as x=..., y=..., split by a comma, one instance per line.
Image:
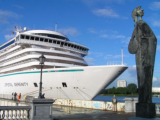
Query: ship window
x=80, y=48
x=35, y=85
x=50, y=41
x=22, y=36
x=58, y=42
x=27, y=37
x=74, y=46
x=65, y=44
x=46, y=40
x=37, y=39
x=54, y=41
x=62, y=44
x=69, y=45
x=41, y=39
x=32, y=38
x=64, y=84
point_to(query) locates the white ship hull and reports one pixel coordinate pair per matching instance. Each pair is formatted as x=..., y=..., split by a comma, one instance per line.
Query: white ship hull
x=78, y=82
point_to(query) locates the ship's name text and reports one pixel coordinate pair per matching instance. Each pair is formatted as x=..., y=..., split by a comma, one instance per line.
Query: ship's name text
x=16, y=84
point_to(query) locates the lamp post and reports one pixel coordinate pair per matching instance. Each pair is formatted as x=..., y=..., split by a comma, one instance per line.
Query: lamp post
x=41, y=62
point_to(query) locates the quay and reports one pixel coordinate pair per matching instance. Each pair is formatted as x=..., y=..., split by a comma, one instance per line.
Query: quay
x=75, y=113
x=61, y=111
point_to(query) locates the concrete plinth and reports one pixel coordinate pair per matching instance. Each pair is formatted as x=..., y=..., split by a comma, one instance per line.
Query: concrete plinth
x=145, y=110
x=40, y=108
x=130, y=104
x=138, y=118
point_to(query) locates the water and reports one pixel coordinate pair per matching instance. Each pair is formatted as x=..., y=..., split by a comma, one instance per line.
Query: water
x=121, y=99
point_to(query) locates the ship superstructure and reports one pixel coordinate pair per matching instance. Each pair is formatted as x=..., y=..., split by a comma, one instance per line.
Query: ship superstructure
x=22, y=52
x=65, y=73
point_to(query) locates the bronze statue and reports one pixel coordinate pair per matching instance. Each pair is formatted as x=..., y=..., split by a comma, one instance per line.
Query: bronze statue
x=143, y=43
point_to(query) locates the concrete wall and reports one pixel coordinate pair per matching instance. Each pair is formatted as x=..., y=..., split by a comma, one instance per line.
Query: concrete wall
x=102, y=105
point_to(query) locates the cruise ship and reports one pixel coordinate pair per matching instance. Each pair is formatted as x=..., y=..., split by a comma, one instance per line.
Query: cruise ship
x=65, y=73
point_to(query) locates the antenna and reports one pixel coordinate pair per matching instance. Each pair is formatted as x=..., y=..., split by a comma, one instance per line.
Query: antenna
x=56, y=27
x=122, y=55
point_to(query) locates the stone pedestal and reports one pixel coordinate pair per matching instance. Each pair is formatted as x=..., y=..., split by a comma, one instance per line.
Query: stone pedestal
x=41, y=109
x=145, y=110
x=130, y=104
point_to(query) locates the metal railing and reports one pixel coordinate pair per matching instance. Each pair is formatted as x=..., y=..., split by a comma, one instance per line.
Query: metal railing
x=15, y=112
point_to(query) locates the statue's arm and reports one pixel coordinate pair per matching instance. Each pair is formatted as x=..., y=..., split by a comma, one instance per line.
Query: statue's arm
x=133, y=35
x=133, y=44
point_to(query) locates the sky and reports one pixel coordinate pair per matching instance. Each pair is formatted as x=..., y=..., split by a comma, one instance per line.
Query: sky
x=104, y=26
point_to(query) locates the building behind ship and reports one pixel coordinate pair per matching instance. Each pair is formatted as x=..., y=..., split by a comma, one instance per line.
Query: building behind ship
x=121, y=83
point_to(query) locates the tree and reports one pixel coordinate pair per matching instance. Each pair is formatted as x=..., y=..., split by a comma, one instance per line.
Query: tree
x=113, y=90
x=121, y=90
x=132, y=88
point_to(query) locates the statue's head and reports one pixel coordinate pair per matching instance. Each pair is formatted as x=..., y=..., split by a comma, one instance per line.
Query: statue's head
x=137, y=12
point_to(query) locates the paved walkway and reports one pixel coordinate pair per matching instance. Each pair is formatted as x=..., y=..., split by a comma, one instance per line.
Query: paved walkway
x=73, y=113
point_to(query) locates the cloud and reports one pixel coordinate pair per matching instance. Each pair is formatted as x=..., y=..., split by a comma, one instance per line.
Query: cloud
x=155, y=6
x=110, y=34
x=8, y=37
x=126, y=40
x=89, y=60
x=132, y=71
x=97, y=54
x=104, y=36
x=69, y=31
x=107, y=56
x=156, y=23
x=120, y=36
x=114, y=56
x=154, y=79
x=91, y=3
x=125, y=18
x=5, y=15
x=17, y=6
x=105, y=13
x=91, y=30
x=158, y=47
x=117, y=56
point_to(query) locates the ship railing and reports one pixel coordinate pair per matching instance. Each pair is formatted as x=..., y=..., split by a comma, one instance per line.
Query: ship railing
x=10, y=53
x=16, y=57
x=20, y=63
x=116, y=63
x=26, y=61
x=51, y=45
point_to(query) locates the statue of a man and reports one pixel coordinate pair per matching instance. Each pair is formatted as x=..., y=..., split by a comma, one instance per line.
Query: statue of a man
x=143, y=43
